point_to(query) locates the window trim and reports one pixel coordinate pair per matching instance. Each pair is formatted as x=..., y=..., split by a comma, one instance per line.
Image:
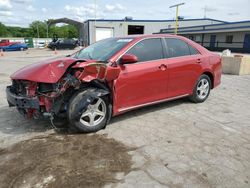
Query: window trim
x=163, y=51
x=199, y=53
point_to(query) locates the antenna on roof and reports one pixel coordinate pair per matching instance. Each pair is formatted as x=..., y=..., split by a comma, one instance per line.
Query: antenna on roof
x=128, y=18
x=205, y=11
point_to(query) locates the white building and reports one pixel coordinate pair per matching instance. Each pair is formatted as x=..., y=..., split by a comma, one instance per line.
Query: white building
x=95, y=30
x=229, y=35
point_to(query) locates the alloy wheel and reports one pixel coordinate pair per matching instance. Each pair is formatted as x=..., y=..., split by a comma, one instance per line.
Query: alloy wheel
x=94, y=114
x=203, y=88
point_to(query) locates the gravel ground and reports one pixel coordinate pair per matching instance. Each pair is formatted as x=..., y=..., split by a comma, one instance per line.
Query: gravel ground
x=173, y=144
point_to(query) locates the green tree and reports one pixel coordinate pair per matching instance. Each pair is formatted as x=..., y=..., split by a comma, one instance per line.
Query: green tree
x=17, y=31
x=64, y=31
x=3, y=30
x=38, y=29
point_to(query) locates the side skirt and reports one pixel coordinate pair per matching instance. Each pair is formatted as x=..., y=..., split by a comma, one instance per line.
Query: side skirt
x=121, y=110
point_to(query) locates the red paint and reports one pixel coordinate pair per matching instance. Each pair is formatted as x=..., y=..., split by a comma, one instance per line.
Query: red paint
x=49, y=71
x=7, y=42
x=148, y=82
x=132, y=84
x=128, y=59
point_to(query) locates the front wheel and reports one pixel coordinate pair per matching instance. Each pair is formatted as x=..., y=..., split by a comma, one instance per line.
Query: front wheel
x=87, y=115
x=201, y=90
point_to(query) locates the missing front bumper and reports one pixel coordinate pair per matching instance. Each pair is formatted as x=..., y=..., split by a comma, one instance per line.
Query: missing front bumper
x=20, y=101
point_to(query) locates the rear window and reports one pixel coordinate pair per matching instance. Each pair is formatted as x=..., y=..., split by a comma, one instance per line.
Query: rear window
x=193, y=51
x=177, y=48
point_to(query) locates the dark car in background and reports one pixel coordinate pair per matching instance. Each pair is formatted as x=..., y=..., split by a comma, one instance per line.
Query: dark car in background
x=63, y=44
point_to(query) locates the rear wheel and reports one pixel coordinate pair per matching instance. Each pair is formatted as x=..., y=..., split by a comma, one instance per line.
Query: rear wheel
x=87, y=117
x=201, y=90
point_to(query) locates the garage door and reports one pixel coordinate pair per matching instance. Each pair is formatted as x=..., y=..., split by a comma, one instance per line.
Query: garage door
x=103, y=33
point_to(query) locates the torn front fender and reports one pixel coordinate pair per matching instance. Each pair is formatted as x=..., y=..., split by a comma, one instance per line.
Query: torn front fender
x=97, y=70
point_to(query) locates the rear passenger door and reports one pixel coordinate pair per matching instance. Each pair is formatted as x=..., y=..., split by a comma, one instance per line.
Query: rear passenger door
x=184, y=67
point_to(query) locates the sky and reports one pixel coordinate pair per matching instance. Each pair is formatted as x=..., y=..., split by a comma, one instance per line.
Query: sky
x=23, y=12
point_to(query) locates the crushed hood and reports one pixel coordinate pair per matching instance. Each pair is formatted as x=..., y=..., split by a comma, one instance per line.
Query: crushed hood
x=49, y=71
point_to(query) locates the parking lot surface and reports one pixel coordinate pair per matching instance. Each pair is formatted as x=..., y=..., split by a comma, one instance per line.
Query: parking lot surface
x=173, y=144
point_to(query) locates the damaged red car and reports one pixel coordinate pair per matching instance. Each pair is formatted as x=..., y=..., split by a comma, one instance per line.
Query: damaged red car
x=113, y=76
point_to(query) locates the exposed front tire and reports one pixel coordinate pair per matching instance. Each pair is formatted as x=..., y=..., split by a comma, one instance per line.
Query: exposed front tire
x=87, y=114
x=60, y=122
x=201, y=90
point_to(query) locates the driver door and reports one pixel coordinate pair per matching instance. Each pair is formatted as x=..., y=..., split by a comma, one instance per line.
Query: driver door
x=143, y=82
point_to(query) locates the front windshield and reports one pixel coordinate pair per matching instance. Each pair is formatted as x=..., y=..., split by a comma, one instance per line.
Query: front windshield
x=102, y=50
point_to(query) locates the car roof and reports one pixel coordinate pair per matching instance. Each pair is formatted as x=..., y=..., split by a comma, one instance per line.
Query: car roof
x=150, y=36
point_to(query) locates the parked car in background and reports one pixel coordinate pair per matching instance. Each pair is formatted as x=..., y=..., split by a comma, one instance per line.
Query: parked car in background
x=41, y=45
x=63, y=44
x=113, y=76
x=15, y=47
x=6, y=42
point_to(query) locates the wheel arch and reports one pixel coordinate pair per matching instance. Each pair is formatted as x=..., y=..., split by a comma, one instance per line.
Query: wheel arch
x=211, y=76
x=103, y=86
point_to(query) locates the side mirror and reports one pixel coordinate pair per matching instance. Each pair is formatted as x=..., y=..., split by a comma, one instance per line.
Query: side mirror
x=128, y=59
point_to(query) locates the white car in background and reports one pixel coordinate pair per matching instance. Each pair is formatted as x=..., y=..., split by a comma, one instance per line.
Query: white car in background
x=41, y=45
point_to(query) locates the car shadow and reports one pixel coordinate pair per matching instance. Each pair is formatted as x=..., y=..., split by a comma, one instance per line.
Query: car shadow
x=11, y=122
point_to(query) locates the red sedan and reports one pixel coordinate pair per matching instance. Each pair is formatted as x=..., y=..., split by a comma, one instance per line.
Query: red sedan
x=113, y=76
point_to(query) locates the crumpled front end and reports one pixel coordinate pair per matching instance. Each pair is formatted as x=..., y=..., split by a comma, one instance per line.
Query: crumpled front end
x=18, y=95
x=36, y=99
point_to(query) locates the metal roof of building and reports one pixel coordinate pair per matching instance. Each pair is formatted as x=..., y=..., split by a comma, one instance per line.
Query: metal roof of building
x=122, y=20
x=213, y=28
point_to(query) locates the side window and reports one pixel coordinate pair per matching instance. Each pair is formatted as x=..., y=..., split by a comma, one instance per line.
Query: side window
x=193, y=51
x=147, y=50
x=177, y=47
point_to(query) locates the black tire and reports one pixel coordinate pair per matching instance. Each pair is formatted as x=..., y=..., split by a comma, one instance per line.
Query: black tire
x=197, y=96
x=81, y=100
x=60, y=122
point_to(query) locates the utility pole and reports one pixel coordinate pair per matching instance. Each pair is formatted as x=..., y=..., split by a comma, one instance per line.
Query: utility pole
x=176, y=16
x=95, y=11
x=47, y=30
x=37, y=28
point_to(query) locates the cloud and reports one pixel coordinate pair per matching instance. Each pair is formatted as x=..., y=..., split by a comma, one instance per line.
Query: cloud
x=84, y=12
x=21, y=1
x=233, y=13
x=6, y=13
x=209, y=9
x=114, y=8
x=5, y=5
x=30, y=8
x=44, y=10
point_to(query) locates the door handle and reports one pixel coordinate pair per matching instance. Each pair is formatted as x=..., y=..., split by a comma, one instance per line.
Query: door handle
x=163, y=67
x=198, y=60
